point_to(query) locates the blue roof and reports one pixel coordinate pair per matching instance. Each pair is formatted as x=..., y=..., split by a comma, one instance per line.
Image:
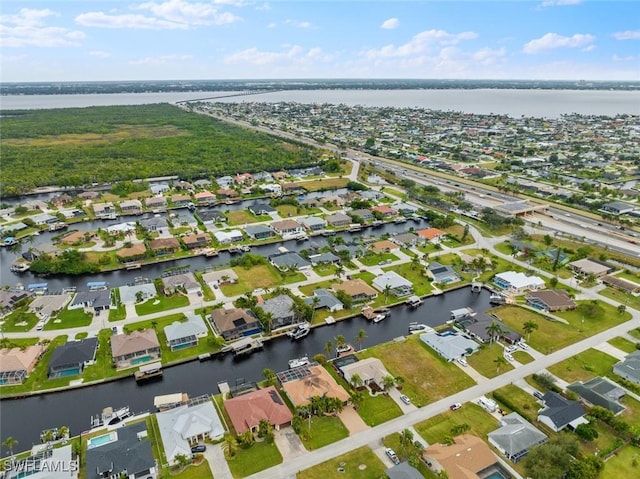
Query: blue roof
x=95, y=284
x=37, y=285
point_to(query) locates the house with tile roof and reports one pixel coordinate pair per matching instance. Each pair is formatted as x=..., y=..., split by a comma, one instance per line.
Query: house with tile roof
x=467, y=458
x=311, y=381
x=131, y=349
x=234, y=323
x=246, y=411
x=16, y=364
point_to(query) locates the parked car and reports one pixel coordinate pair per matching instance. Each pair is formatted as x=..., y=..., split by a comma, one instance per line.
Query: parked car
x=462, y=362
x=538, y=395
x=508, y=356
x=392, y=455
x=511, y=348
x=455, y=405
x=405, y=399
x=199, y=448
x=523, y=345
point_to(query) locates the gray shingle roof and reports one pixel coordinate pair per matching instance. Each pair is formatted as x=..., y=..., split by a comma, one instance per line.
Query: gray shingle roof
x=516, y=436
x=74, y=352
x=289, y=259
x=629, y=368
x=561, y=411
x=600, y=392
x=326, y=297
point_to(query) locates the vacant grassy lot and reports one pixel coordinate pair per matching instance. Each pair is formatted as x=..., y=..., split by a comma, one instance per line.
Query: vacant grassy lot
x=427, y=377
x=162, y=303
x=286, y=211
x=436, y=429
x=260, y=456
x=484, y=360
x=378, y=409
x=243, y=217
x=201, y=471
x=350, y=463
x=324, y=430
x=19, y=321
x=523, y=402
x=374, y=259
x=623, y=344
x=594, y=316
x=584, y=366
x=621, y=297
x=421, y=284
x=260, y=276
x=624, y=464
x=69, y=318
x=324, y=184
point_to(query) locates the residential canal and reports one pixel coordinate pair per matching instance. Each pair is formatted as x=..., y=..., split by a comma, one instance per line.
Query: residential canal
x=25, y=418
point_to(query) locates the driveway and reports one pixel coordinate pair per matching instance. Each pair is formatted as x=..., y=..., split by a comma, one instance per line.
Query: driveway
x=217, y=462
x=352, y=420
x=395, y=395
x=288, y=442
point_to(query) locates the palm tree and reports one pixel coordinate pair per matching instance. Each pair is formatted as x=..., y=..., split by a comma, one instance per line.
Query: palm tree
x=388, y=382
x=182, y=460
x=528, y=327
x=499, y=361
x=356, y=398
x=339, y=270
x=314, y=304
x=356, y=381
x=63, y=433
x=387, y=290
x=10, y=443
x=415, y=262
x=328, y=348
x=269, y=375
x=360, y=337
x=340, y=340
x=268, y=322
x=493, y=330
x=406, y=439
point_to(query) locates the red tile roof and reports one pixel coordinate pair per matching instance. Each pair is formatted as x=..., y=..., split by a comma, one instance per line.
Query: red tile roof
x=248, y=410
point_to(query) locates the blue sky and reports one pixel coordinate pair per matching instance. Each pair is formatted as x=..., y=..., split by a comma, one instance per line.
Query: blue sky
x=72, y=40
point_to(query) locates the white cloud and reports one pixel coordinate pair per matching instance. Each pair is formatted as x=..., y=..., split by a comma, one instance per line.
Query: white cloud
x=419, y=44
x=627, y=35
x=617, y=58
x=28, y=28
x=291, y=55
x=559, y=3
x=390, y=24
x=589, y=48
x=488, y=56
x=161, y=60
x=552, y=41
x=168, y=15
x=298, y=23
x=99, y=54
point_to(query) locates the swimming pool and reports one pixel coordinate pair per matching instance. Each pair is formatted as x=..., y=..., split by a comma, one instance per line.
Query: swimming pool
x=140, y=360
x=101, y=440
x=68, y=372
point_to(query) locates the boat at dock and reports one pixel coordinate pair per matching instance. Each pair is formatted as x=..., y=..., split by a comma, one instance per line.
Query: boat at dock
x=497, y=299
x=170, y=401
x=204, y=356
x=210, y=252
x=110, y=416
x=377, y=223
x=148, y=372
x=345, y=348
x=297, y=362
x=301, y=330
x=133, y=266
x=354, y=228
x=400, y=220
x=246, y=346
x=20, y=267
x=372, y=315
x=239, y=249
x=414, y=301
x=416, y=328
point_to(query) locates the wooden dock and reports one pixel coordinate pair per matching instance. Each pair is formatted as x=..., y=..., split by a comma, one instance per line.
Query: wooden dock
x=148, y=371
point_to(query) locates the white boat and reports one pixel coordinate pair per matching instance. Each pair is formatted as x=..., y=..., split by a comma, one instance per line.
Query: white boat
x=344, y=348
x=300, y=331
x=377, y=223
x=297, y=362
x=19, y=267
x=110, y=416
x=497, y=299
x=378, y=317
x=416, y=328
x=414, y=301
x=400, y=220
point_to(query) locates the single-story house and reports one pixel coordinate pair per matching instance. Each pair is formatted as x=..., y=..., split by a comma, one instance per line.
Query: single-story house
x=551, y=300
x=515, y=437
x=313, y=223
x=384, y=246
x=338, y=220
x=398, y=285
x=600, y=392
x=281, y=309
x=156, y=203
x=258, y=232
x=162, y=246
x=364, y=214
x=226, y=237
x=286, y=227
x=384, y=210
x=128, y=349
x=127, y=453
x=209, y=216
x=449, y=346
x=587, y=266
x=244, y=178
x=477, y=325
x=135, y=252
x=47, y=305
x=185, y=426
x=205, y=198
x=434, y=235
x=234, y=323
x=407, y=240
x=559, y=413
x=356, y=289
x=97, y=300
x=9, y=299
x=217, y=278
x=370, y=370
x=517, y=282
x=621, y=284
x=185, y=334
x=466, y=458
x=130, y=294
x=354, y=250
x=316, y=382
x=126, y=228
x=186, y=281
x=629, y=369
x=404, y=470
x=103, y=210
x=246, y=411
x=289, y=259
x=71, y=358
x=159, y=188
x=325, y=299
x=617, y=208
x=273, y=188
x=260, y=209
x=324, y=258
x=154, y=224
x=405, y=209
x=181, y=200
x=16, y=364
x=44, y=219
x=203, y=183
x=131, y=207
x=199, y=240
x=225, y=181
x=443, y=274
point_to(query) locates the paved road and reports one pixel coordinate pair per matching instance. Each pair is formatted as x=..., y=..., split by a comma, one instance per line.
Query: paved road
x=373, y=436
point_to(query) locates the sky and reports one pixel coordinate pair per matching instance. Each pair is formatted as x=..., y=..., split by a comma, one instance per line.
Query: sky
x=98, y=40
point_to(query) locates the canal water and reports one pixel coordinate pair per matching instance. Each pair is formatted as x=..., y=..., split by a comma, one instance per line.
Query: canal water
x=25, y=418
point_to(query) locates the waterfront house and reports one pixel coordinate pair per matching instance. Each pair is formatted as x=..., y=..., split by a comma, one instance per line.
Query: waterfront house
x=384, y=246
x=449, y=345
x=203, y=183
x=286, y=227
x=364, y=214
x=244, y=178
x=434, y=235
x=384, y=210
x=226, y=237
x=133, y=349
x=515, y=437
x=50, y=463
x=97, y=300
x=77, y=237
x=354, y=250
x=44, y=219
x=155, y=224
x=281, y=309
x=186, y=282
x=356, y=289
x=468, y=457
x=135, y=252
x=126, y=453
x=181, y=201
x=405, y=209
x=11, y=298
x=185, y=334
x=261, y=209
x=156, y=203
x=600, y=392
x=476, y=326
x=258, y=232
x=227, y=193
x=185, y=426
x=16, y=363
x=199, y=240
x=164, y=246
x=407, y=240
x=205, y=198
x=183, y=185
x=292, y=188
x=211, y=216
x=338, y=220
x=234, y=323
x=324, y=258
x=325, y=299
x=629, y=368
x=559, y=413
x=333, y=200
x=370, y=370
x=274, y=188
x=159, y=188
x=71, y=358
x=220, y=277
x=517, y=283
x=131, y=207
x=104, y=210
x=246, y=411
x=225, y=181
x=309, y=382
x=551, y=300
x=89, y=195
x=398, y=286
x=129, y=294
x=61, y=200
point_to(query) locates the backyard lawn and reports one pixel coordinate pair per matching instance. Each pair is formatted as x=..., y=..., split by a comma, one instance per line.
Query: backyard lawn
x=259, y=276
x=427, y=377
x=438, y=428
x=348, y=465
x=626, y=463
x=584, y=366
x=421, y=284
x=161, y=303
x=201, y=471
x=19, y=321
x=324, y=430
x=260, y=456
x=623, y=344
x=484, y=360
x=520, y=401
x=378, y=409
x=69, y=318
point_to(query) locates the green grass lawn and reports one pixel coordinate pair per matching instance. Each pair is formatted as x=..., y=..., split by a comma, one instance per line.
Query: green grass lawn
x=436, y=429
x=325, y=269
x=350, y=463
x=393, y=441
x=521, y=401
x=522, y=357
x=119, y=313
x=308, y=289
x=594, y=316
x=635, y=333
x=69, y=318
x=584, y=366
x=200, y=471
x=325, y=184
x=260, y=276
x=626, y=463
x=161, y=303
x=103, y=367
x=483, y=360
x=324, y=430
x=18, y=342
x=19, y=321
x=427, y=377
x=632, y=413
x=623, y=344
x=373, y=259
x=260, y=456
x=378, y=409
x=421, y=284
x=243, y=217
